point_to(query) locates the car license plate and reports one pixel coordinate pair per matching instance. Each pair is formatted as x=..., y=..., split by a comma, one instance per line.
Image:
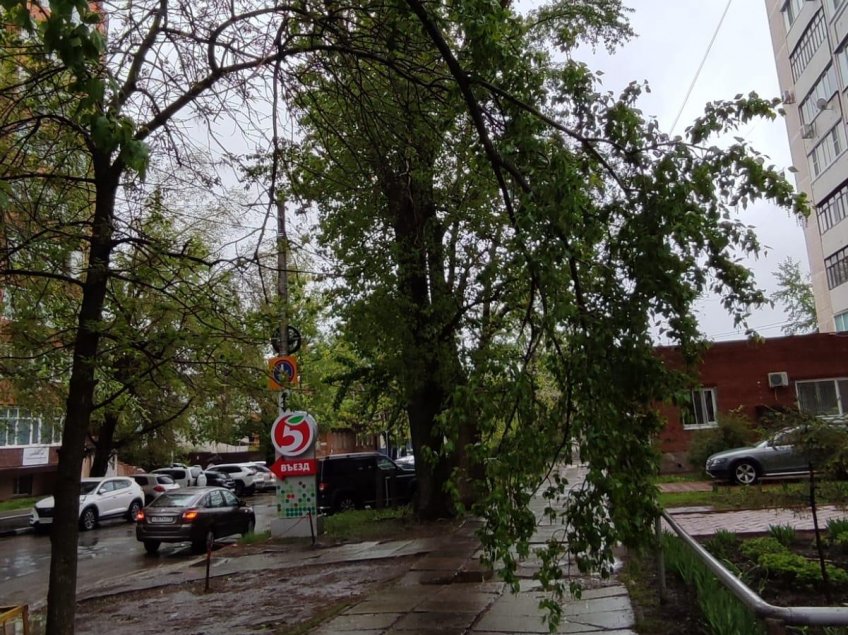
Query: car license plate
x=161, y=519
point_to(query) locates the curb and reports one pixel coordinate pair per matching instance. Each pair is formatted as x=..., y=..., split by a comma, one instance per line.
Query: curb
x=15, y=525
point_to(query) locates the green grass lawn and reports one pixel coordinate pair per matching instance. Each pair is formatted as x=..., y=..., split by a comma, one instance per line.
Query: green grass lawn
x=17, y=503
x=785, y=494
x=691, y=477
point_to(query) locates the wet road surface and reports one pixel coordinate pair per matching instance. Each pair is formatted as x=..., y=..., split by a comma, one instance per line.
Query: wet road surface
x=103, y=553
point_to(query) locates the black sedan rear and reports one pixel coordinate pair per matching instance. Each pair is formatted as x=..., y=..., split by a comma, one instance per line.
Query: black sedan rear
x=193, y=514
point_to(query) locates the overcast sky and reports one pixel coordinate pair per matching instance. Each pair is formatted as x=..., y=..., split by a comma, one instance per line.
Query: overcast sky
x=673, y=37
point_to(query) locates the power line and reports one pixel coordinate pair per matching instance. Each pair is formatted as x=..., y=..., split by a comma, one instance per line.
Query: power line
x=700, y=68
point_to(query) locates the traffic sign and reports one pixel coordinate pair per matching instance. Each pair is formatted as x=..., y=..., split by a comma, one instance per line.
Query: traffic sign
x=294, y=433
x=292, y=340
x=285, y=468
x=282, y=372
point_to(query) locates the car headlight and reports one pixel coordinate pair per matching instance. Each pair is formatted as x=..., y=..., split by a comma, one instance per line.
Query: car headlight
x=716, y=462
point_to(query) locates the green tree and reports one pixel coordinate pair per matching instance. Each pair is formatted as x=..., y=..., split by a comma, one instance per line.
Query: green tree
x=795, y=293
x=510, y=235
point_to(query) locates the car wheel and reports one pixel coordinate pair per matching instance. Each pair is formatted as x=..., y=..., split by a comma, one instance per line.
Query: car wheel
x=88, y=520
x=250, y=527
x=199, y=546
x=239, y=488
x=746, y=473
x=41, y=529
x=132, y=512
x=151, y=546
x=345, y=502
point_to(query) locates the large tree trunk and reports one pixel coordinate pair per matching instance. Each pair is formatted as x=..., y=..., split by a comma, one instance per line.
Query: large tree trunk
x=61, y=593
x=104, y=443
x=429, y=355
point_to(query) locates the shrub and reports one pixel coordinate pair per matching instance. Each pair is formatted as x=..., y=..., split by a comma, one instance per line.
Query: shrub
x=836, y=527
x=755, y=548
x=796, y=568
x=734, y=430
x=784, y=534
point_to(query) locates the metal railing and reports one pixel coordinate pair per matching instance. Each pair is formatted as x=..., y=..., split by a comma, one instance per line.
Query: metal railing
x=776, y=618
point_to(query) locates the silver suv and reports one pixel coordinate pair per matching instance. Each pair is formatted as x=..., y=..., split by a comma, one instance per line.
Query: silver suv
x=780, y=455
x=100, y=498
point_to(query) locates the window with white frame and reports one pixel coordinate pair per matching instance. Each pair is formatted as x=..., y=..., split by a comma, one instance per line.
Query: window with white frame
x=823, y=397
x=826, y=151
x=824, y=88
x=807, y=46
x=836, y=5
x=704, y=410
x=836, y=268
x=841, y=321
x=834, y=209
x=20, y=427
x=791, y=9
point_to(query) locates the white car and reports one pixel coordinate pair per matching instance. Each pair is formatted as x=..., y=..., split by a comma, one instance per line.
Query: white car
x=263, y=478
x=100, y=498
x=242, y=475
x=154, y=485
x=183, y=476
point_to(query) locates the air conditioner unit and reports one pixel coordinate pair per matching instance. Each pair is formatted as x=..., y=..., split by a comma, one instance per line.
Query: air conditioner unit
x=778, y=380
x=808, y=131
x=788, y=97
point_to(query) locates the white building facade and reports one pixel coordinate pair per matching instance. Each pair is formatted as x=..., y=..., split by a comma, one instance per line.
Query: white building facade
x=810, y=40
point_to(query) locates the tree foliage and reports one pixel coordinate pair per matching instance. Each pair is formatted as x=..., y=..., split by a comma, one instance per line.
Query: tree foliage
x=795, y=293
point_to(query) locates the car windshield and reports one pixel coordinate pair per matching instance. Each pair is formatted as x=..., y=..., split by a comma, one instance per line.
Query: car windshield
x=86, y=487
x=175, y=499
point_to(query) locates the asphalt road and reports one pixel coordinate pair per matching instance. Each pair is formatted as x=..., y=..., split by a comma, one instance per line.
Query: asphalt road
x=103, y=553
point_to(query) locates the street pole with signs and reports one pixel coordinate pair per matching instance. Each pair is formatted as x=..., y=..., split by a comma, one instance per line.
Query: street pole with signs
x=293, y=434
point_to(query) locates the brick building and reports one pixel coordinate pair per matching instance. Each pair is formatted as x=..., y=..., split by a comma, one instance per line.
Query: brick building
x=809, y=372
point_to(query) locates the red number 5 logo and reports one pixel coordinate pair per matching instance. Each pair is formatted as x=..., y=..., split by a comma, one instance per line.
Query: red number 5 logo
x=293, y=433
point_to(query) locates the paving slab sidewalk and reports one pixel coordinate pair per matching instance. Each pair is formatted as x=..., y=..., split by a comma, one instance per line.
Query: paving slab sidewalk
x=448, y=593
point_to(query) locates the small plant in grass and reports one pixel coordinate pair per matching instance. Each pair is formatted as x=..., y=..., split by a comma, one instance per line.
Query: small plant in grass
x=253, y=537
x=784, y=534
x=837, y=532
x=722, y=544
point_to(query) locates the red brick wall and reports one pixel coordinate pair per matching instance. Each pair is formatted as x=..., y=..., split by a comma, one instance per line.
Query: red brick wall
x=739, y=370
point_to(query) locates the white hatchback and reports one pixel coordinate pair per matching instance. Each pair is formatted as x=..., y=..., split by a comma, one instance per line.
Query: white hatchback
x=100, y=498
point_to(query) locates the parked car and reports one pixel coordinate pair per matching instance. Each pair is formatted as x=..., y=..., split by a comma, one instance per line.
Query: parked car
x=406, y=462
x=219, y=479
x=196, y=515
x=263, y=478
x=100, y=498
x=779, y=455
x=154, y=484
x=240, y=474
x=363, y=479
x=183, y=476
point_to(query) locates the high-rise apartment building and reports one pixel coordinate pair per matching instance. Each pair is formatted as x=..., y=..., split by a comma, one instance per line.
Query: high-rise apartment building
x=810, y=39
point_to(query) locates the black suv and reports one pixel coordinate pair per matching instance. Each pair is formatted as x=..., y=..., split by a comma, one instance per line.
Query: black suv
x=346, y=481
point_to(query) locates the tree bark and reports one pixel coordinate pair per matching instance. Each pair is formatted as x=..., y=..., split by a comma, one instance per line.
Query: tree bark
x=61, y=593
x=104, y=443
x=429, y=355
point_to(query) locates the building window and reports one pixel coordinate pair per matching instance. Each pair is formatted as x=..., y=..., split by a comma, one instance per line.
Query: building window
x=23, y=486
x=791, y=9
x=836, y=268
x=836, y=5
x=841, y=321
x=807, y=46
x=19, y=427
x=703, y=413
x=824, y=88
x=823, y=398
x=826, y=151
x=833, y=210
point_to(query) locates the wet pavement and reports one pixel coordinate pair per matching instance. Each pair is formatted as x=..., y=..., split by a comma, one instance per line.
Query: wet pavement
x=448, y=592
x=438, y=586
x=699, y=521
